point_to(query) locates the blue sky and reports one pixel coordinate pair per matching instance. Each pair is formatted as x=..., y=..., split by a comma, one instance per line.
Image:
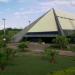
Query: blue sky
x=18, y=12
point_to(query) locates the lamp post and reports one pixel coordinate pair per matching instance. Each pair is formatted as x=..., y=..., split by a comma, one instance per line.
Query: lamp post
x=4, y=38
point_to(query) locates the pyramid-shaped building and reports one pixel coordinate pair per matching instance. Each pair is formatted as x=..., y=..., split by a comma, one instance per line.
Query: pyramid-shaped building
x=48, y=26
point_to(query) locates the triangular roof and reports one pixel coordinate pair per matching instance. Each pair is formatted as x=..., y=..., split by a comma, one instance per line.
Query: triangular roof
x=51, y=21
x=45, y=24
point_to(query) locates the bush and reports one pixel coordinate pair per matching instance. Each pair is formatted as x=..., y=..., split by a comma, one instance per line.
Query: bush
x=23, y=45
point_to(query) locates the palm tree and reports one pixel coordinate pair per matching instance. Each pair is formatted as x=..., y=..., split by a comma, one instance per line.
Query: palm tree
x=52, y=54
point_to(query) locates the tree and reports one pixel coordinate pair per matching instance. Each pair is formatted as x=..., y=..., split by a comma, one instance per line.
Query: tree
x=50, y=55
x=5, y=52
x=2, y=43
x=62, y=41
x=9, y=53
x=2, y=59
x=5, y=55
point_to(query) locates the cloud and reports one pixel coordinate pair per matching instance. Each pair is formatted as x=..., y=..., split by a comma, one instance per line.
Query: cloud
x=20, y=1
x=72, y=3
x=65, y=2
x=27, y=12
x=45, y=6
x=4, y=1
x=65, y=5
x=45, y=2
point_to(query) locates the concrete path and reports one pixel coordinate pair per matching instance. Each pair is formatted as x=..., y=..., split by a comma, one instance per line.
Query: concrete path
x=66, y=53
x=39, y=48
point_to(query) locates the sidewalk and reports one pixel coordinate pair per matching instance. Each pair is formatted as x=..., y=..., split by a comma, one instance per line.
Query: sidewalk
x=66, y=53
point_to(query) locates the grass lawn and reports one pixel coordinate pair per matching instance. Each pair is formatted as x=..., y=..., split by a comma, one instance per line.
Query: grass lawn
x=35, y=65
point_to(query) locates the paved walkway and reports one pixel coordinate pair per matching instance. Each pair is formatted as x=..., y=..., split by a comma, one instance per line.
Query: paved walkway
x=39, y=48
x=66, y=53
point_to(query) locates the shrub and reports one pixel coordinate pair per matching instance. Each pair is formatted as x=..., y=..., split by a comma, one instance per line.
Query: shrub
x=22, y=46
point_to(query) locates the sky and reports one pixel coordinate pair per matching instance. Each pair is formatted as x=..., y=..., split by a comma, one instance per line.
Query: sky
x=18, y=13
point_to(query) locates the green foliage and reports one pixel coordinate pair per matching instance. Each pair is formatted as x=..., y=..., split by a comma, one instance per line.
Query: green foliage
x=62, y=41
x=53, y=60
x=70, y=71
x=3, y=60
x=23, y=45
x=2, y=43
x=49, y=54
x=5, y=52
x=9, y=53
x=9, y=33
x=2, y=57
x=5, y=55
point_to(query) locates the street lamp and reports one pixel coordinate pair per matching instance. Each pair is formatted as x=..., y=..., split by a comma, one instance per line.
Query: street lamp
x=4, y=29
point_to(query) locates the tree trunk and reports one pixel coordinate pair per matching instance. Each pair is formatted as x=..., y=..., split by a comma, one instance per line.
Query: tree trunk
x=53, y=60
